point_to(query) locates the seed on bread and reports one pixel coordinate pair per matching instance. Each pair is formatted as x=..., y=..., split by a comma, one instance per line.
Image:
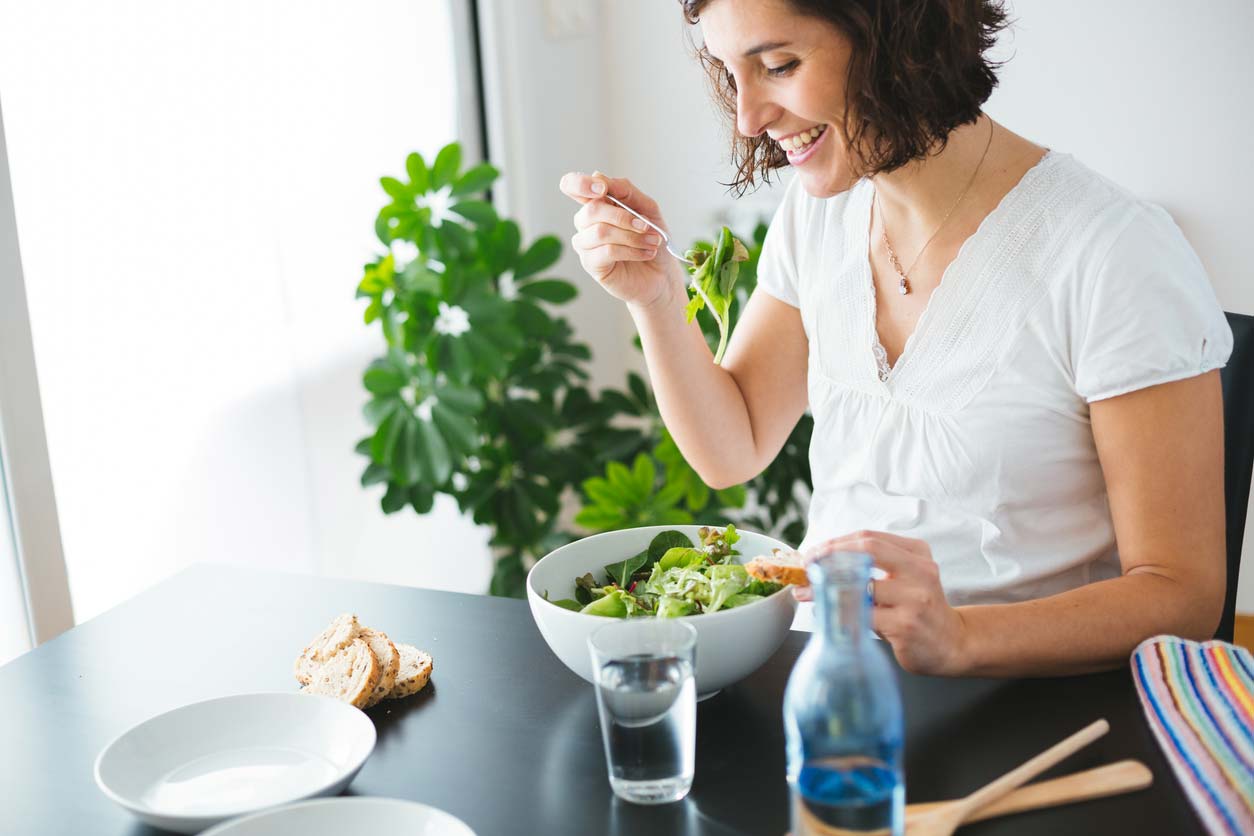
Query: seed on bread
x=342, y=630
x=350, y=675
x=389, y=659
x=416, y=667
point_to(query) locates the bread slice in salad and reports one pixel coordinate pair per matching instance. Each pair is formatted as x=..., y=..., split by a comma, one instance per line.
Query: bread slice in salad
x=783, y=567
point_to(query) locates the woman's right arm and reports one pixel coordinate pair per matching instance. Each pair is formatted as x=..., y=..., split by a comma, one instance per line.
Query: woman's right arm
x=729, y=421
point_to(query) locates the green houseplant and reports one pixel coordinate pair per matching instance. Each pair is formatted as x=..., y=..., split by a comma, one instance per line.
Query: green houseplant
x=482, y=392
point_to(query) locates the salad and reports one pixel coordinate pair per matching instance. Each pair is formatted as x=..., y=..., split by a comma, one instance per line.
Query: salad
x=714, y=270
x=671, y=578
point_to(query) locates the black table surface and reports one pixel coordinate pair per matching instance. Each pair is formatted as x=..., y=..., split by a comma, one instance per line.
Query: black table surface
x=504, y=736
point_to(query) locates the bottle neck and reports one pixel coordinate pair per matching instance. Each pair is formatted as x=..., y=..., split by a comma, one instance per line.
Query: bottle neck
x=842, y=601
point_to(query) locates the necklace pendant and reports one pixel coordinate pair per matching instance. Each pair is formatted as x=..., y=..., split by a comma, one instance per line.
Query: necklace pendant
x=903, y=288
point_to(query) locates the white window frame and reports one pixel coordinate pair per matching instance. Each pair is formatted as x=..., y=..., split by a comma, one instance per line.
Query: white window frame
x=24, y=467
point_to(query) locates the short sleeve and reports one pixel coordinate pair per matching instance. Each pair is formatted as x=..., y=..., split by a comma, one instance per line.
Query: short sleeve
x=777, y=265
x=1148, y=314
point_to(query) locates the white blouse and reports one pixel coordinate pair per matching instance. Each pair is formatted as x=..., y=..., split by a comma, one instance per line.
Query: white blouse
x=978, y=439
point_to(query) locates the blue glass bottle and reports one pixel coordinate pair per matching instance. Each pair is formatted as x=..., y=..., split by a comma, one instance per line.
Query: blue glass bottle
x=842, y=713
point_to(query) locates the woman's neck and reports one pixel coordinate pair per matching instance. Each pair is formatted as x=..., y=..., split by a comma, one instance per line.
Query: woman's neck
x=916, y=197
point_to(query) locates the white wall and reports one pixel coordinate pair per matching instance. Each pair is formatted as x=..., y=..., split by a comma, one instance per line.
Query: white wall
x=195, y=186
x=1157, y=96
x=1152, y=94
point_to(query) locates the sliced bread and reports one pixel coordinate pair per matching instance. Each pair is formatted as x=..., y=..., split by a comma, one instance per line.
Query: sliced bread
x=779, y=566
x=351, y=675
x=342, y=630
x=389, y=659
x=416, y=667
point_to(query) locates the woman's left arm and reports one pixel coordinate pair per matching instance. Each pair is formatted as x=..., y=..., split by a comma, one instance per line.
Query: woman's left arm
x=1161, y=451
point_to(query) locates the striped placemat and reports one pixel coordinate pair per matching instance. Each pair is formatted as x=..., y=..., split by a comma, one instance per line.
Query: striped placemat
x=1199, y=700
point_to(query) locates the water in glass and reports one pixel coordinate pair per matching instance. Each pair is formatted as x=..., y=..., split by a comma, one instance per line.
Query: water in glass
x=647, y=704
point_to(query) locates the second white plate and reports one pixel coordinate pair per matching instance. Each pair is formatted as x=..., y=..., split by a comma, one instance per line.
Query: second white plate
x=340, y=816
x=190, y=768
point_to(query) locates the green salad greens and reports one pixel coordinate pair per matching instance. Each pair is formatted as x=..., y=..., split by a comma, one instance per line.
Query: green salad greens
x=714, y=271
x=671, y=578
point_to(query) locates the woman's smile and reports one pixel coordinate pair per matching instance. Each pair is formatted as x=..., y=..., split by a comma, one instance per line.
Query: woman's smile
x=801, y=147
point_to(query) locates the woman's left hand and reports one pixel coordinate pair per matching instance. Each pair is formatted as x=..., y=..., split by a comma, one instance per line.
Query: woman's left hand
x=910, y=612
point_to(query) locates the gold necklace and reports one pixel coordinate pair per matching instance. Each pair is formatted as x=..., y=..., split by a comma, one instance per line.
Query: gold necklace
x=903, y=286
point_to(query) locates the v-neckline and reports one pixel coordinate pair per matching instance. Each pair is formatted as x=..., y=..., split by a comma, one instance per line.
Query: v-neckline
x=884, y=372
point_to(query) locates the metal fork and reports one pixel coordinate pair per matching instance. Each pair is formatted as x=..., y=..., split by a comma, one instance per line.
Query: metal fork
x=665, y=238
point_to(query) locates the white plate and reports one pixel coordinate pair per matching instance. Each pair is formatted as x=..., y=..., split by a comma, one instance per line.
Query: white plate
x=195, y=766
x=340, y=816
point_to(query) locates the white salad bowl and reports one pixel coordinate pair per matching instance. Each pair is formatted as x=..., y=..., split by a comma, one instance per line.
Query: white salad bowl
x=731, y=644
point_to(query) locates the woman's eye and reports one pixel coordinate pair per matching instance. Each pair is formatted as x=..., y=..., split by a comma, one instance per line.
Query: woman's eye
x=783, y=69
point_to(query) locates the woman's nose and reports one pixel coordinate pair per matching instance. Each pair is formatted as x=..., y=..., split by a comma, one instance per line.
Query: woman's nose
x=753, y=111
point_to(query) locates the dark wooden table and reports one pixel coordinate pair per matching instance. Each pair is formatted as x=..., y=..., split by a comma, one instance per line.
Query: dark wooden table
x=504, y=736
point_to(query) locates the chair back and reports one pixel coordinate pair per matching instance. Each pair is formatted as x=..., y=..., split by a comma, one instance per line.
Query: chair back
x=1238, y=386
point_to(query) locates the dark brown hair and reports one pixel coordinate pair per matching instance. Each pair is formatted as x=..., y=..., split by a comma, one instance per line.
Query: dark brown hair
x=918, y=71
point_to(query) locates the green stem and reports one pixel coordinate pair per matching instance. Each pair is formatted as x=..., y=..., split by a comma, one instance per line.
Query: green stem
x=722, y=343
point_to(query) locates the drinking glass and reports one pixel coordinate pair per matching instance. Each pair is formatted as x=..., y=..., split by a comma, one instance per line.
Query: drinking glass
x=647, y=700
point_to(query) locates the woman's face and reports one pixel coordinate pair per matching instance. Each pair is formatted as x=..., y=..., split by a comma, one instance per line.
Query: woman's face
x=790, y=76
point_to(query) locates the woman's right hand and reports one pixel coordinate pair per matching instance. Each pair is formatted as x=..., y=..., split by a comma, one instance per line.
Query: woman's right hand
x=612, y=247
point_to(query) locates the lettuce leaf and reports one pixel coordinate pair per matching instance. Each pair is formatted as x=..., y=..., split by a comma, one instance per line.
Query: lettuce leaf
x=726, y=580
x=668, y=607
x=714, y=271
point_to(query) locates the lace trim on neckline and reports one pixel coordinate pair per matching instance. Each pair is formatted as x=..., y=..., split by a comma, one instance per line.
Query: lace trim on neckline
x=882, y=366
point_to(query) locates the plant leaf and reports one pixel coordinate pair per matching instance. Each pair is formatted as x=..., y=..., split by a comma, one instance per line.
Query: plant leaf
x=596, y=518
x=419, y=175
x=382, y=378
x=639, y=389
x=556, y=291
x=459, y=431
x=644, y=473
x=543, y=253
x=394, y=500
x=446, y=164
x=621, y=478
x=374, y=474
x=395, y=189
x=475, y=179
x=479, y=212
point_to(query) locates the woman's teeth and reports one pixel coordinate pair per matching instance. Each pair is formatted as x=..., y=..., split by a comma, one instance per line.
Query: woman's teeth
x=801, y=140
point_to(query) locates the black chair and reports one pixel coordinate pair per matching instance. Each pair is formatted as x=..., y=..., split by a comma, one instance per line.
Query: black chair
x=1238, y=386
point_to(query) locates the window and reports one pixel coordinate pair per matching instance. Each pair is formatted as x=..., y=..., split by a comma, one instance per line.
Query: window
x=195, y=187
x=14, y=633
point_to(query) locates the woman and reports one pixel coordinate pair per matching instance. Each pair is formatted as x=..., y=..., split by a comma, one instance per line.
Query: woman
x=1011, y=361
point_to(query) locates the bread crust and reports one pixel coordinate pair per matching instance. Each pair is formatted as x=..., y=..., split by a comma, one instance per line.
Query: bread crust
x=389, y=659
x=415, y=672
x=779, y=569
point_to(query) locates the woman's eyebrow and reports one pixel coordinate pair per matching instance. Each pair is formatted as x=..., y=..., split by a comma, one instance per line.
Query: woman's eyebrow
x=766, y=47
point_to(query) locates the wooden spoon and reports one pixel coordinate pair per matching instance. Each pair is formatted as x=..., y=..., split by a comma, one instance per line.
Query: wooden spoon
x=945, y=818
x=1099, y=782
x=1086, y=785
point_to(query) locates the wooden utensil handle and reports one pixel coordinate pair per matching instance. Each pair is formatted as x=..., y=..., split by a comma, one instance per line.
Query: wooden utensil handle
x=1029, y=770
x=1099, y=782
